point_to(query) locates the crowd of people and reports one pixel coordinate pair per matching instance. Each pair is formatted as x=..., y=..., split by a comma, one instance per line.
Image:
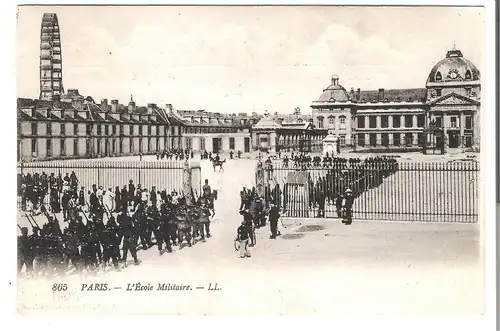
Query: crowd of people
x=100, y=233
x=175, y=154
x=328, y=183
x=256, y=211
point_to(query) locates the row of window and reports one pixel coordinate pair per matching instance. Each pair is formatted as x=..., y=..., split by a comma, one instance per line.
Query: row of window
x=407, y=140
x=210, y=129
x=110, y=147
x=174, y=131
x=384, y=121
x=189, y=143
x=331, y=122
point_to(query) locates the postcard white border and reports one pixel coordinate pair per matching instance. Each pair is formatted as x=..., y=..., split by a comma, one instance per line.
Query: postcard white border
x=14, y=321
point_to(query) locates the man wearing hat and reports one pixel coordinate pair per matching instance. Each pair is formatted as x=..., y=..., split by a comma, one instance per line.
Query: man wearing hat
x=248, y=221
x=347, y=203
x=243, y=234
x=274, y=215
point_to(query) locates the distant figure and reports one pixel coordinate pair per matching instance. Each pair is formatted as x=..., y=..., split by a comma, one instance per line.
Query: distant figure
x=207, y=190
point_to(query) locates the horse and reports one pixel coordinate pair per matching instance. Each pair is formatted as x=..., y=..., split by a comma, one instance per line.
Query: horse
x=219, y=164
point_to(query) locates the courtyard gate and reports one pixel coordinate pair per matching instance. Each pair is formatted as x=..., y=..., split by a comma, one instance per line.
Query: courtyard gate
x=388, y=190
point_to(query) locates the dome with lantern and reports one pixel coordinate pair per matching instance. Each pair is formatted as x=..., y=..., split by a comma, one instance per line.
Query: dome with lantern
x=454, y=67
x=334, y=93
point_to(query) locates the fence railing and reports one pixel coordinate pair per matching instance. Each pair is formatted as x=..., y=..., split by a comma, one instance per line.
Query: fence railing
x=164, y=175
x=405, y=191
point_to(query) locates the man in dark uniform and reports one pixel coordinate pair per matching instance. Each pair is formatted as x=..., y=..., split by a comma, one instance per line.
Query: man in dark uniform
x=24, y=252
x=110, y=244
x=162, y=231
x=207, y=190
x=124, y=198
x=51, y=227
x=274, y=215
x=129, y=236
x=152, y=196
x=131, y=191
x=153, y=216
x=242, y=235
x=71, y=252
x=347, y=203
x=247, y=218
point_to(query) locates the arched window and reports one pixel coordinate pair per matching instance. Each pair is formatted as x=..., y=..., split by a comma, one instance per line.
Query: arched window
x=300, y=120
x=331, y=121
x=439, y=78
x=468, y=75
x=320, y=122
x=342, y=120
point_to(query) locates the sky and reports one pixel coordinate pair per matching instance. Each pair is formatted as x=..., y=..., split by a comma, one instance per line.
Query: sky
x=244, y=59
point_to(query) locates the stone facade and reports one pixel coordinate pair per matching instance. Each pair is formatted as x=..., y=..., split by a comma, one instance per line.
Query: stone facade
x=62, y=129
x=399, y=118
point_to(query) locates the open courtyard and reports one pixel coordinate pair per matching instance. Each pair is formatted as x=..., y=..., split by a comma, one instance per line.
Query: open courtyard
x=368, y=267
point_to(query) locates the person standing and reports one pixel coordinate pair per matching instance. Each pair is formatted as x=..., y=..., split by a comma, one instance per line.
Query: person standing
x=274, y=215
x=347, y=203
x=243, y=234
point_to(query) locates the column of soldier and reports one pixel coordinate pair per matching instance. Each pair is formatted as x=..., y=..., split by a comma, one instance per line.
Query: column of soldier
x=93, y=244
x=205, y=155
x=342, y=176
x=176, y=153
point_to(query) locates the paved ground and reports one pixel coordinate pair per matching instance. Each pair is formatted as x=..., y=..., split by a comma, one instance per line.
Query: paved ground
x=365, y=268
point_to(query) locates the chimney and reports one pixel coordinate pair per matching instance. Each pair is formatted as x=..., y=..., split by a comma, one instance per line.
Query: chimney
x=151, y=108
x=381, y=95
x=104, y=104
x=351, y=94
x=56, y=101
x=114, y=105
x=131, y=104
x=358, y=94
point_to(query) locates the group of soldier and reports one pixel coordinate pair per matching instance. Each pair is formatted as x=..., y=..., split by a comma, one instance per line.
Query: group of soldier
x=333, y=180
x=256, y=211
x=154, y=218
x=205, y=155
x=176, y=153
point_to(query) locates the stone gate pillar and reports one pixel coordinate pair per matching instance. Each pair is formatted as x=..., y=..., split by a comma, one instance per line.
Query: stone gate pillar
x=186, y=182
x=196, y=178
x=260, y=178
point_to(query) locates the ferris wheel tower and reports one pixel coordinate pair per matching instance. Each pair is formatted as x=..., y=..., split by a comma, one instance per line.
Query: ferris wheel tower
x=50, y=58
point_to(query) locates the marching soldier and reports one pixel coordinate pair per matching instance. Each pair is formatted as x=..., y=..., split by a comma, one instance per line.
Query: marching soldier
x=131, y=191
x=110, y=244
x=152, y=224
x=242, y=235
x=129, y=236
x=274, y=215
x=162, y=231
x=51, y=227
x=71, y=252
x=24, y=252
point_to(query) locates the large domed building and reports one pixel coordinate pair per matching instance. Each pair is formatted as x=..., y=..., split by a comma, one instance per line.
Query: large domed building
x=445, y=113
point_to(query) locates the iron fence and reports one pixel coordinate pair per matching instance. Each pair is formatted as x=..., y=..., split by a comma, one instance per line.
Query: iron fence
x=387, y=190
x=164, y=175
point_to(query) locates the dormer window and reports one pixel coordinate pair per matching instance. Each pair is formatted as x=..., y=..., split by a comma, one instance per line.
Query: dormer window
x=439, y=78
x=468, y=75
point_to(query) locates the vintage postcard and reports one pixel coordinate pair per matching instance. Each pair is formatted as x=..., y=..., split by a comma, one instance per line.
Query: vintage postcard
x=250, y=160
